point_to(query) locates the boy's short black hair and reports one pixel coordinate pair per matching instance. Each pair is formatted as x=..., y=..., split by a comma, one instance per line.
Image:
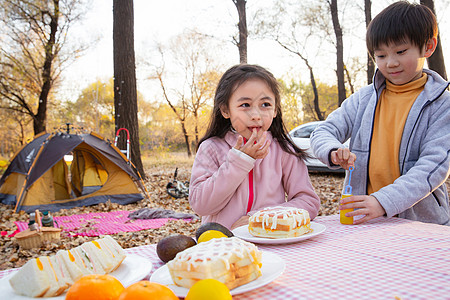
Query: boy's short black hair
x=401, y=22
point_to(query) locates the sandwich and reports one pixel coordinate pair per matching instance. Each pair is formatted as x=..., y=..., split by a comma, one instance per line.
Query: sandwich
x=67, y=261
x=31, y=280
x=50, y=276
x=57, y=283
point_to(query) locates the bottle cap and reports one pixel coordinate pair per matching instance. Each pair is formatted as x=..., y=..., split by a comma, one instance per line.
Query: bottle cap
x=32, y=226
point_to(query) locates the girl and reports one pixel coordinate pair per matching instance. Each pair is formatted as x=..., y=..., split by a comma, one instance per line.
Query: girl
x=246, y=160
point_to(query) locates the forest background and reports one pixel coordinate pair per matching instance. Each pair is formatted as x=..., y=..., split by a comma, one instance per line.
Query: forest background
x=316, y=48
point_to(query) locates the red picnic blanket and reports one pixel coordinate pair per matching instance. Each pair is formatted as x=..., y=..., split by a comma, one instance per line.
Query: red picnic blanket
x=95, y=224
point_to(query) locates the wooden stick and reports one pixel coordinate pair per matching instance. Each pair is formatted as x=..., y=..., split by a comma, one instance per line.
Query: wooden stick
x=37, y=217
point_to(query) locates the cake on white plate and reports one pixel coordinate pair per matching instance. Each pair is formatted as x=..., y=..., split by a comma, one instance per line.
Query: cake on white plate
x=229, y=260
x=50, y=276
x=279, y=222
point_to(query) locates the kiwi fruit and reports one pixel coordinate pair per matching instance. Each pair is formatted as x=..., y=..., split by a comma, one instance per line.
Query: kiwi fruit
x=212, y=226
x=168, y=247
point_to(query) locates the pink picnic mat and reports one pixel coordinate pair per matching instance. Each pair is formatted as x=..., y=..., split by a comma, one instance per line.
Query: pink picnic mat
x=95, y=224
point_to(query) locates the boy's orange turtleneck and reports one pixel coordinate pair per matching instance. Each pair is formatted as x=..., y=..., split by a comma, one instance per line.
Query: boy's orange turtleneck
x=390, y=117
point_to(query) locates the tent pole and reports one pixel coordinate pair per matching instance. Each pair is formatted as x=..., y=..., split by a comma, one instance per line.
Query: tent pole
x=22, y=190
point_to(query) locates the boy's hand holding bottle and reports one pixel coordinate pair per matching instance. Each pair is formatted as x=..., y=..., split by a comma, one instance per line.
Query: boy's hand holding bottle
x=367, y=207
x=344, y=218
x=343, y=157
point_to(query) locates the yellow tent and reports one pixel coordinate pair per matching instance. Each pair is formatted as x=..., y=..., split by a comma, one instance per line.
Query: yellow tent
x=39, y=177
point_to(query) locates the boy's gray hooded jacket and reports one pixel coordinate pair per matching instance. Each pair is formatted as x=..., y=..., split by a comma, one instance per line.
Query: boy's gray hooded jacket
x=424, y=157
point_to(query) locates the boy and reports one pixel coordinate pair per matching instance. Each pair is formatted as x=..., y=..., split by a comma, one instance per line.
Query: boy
x=399, y=126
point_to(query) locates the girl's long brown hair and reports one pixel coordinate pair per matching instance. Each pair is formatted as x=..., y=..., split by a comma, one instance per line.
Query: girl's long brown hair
x=230, y=81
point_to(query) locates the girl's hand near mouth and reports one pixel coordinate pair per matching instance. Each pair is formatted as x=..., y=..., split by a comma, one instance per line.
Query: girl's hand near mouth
x=257, y=145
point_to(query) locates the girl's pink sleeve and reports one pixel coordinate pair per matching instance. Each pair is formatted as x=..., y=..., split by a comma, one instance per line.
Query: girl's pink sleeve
x=214, y=180
x=298, y=187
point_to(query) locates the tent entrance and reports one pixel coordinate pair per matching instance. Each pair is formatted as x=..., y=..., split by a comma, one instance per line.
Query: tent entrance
x=83, y=175
x=87, y=173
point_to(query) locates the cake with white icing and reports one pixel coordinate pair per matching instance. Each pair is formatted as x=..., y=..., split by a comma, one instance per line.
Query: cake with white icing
x=279, y=222
x=229, y=260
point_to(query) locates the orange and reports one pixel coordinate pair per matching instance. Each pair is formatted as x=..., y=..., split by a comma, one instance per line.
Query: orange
x=147, y=290
x=95, y=287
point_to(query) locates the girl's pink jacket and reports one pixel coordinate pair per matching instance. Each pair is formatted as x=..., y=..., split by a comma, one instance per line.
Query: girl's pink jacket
x=219, y=186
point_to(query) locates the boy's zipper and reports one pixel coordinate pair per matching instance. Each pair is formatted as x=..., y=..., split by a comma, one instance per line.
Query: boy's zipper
x=370, y=140
x=436, y=198
x=411, y=134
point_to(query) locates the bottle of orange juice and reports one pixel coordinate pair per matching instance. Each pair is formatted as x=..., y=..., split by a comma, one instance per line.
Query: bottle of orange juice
x=347, y=193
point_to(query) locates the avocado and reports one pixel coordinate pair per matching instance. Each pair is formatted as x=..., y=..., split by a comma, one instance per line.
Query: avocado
x=168, y=247
x=212, y=226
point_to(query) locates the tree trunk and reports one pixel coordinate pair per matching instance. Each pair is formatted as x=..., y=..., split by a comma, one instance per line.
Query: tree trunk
x=22, y=134
x=436, y=61
x=196, y=128
x=316, y=94
x=243, y=33
x=186, y=139
x=339, y=52
x=40, y=118
x=370, y=63
x=125, y=95
x=349, y=80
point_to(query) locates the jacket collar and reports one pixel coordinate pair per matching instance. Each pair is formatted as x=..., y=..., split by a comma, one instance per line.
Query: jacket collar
x=434, y=87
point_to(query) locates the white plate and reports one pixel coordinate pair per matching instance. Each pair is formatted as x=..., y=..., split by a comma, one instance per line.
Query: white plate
x=131, y=270
x=272, y=267
x=242, y=232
